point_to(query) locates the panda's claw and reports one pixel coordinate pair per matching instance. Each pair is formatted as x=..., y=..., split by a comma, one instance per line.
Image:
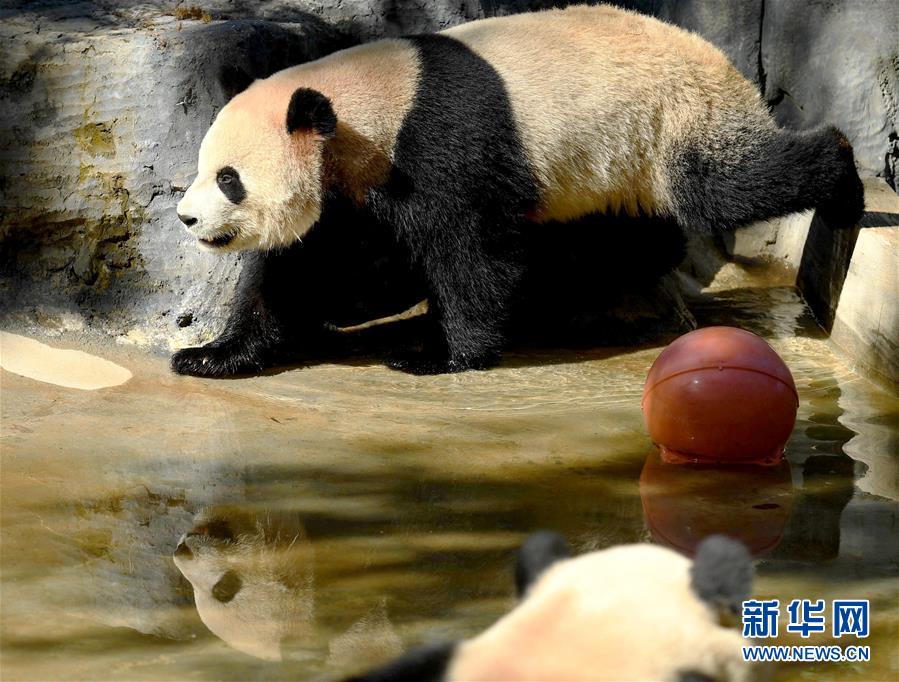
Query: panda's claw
x=214, y=361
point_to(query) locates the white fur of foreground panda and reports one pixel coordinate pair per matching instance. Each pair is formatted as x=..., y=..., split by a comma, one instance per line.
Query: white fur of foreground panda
x=634, y=612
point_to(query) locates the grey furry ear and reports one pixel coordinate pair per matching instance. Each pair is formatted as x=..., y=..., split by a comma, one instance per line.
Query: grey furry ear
x=311, y=110
x=538, y=552
x=722, y=573
x=234, y=80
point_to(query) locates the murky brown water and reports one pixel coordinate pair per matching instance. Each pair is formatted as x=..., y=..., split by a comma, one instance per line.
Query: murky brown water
x=383, y=509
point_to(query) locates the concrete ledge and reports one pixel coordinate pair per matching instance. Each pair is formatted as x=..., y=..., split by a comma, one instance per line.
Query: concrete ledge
x=781, y=240
x=866, y=320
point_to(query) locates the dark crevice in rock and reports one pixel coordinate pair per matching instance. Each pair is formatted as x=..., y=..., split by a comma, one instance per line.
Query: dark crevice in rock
x=891, y=161
x=762, y=78
x=779, y=96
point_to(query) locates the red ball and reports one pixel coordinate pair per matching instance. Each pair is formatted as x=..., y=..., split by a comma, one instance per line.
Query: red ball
x=720, y=394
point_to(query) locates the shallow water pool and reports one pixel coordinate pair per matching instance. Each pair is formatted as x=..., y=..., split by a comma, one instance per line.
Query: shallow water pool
x=374, y=511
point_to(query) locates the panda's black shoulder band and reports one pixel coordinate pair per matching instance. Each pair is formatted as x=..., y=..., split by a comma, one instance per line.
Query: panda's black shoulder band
x=311, y=110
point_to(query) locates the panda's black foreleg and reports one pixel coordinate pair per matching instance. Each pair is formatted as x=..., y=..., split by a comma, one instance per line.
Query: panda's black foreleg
x=471, y=278
x=251, y=336
x=251, y=342
x=261, y=331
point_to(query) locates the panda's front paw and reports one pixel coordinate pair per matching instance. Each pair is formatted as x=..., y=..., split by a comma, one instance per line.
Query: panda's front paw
x=424, y=363
x=215, y=360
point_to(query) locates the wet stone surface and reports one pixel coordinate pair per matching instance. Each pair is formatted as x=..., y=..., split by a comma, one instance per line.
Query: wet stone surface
x=324, y=518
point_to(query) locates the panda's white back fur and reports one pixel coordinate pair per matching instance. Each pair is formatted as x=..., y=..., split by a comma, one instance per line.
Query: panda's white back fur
x=626, y=613
x=603, y=98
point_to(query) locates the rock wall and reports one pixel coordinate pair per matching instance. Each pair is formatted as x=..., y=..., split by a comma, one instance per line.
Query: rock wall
x=103, y=104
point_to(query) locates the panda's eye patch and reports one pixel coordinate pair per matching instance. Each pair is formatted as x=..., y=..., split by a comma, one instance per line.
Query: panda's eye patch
x=228, y=181
x=217, y=529
x=226, y=587
x=220, y=530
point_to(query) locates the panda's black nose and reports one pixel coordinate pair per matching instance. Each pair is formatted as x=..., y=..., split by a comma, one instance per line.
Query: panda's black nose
x=186, y=219
x=183, y=550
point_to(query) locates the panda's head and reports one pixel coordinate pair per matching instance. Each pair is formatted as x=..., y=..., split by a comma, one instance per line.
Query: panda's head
x=252, y=577
x=634, y=612
x=259, y=175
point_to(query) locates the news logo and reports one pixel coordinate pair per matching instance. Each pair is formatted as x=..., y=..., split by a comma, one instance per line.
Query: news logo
x=848, y=617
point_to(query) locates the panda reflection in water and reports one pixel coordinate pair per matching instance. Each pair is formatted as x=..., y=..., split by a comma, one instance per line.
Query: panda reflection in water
x=252, y=574
x=461, y=141
x=252, y=577
x=633, y=612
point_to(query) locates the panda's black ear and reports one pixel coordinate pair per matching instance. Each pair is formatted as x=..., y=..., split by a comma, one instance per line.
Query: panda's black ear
x=311, y=110
x=538, y=552
x=234, y=80
x=722, y=573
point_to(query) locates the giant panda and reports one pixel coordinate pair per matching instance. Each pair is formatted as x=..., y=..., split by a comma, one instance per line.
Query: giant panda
x=631, y=612
x=461, y=141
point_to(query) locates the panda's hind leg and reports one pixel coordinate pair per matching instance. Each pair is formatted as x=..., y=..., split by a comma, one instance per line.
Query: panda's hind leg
x=746, y=175
x=471, y=275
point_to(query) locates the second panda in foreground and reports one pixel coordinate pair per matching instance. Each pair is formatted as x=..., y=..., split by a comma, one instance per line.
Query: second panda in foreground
x=632, y=612
x=462, y=140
